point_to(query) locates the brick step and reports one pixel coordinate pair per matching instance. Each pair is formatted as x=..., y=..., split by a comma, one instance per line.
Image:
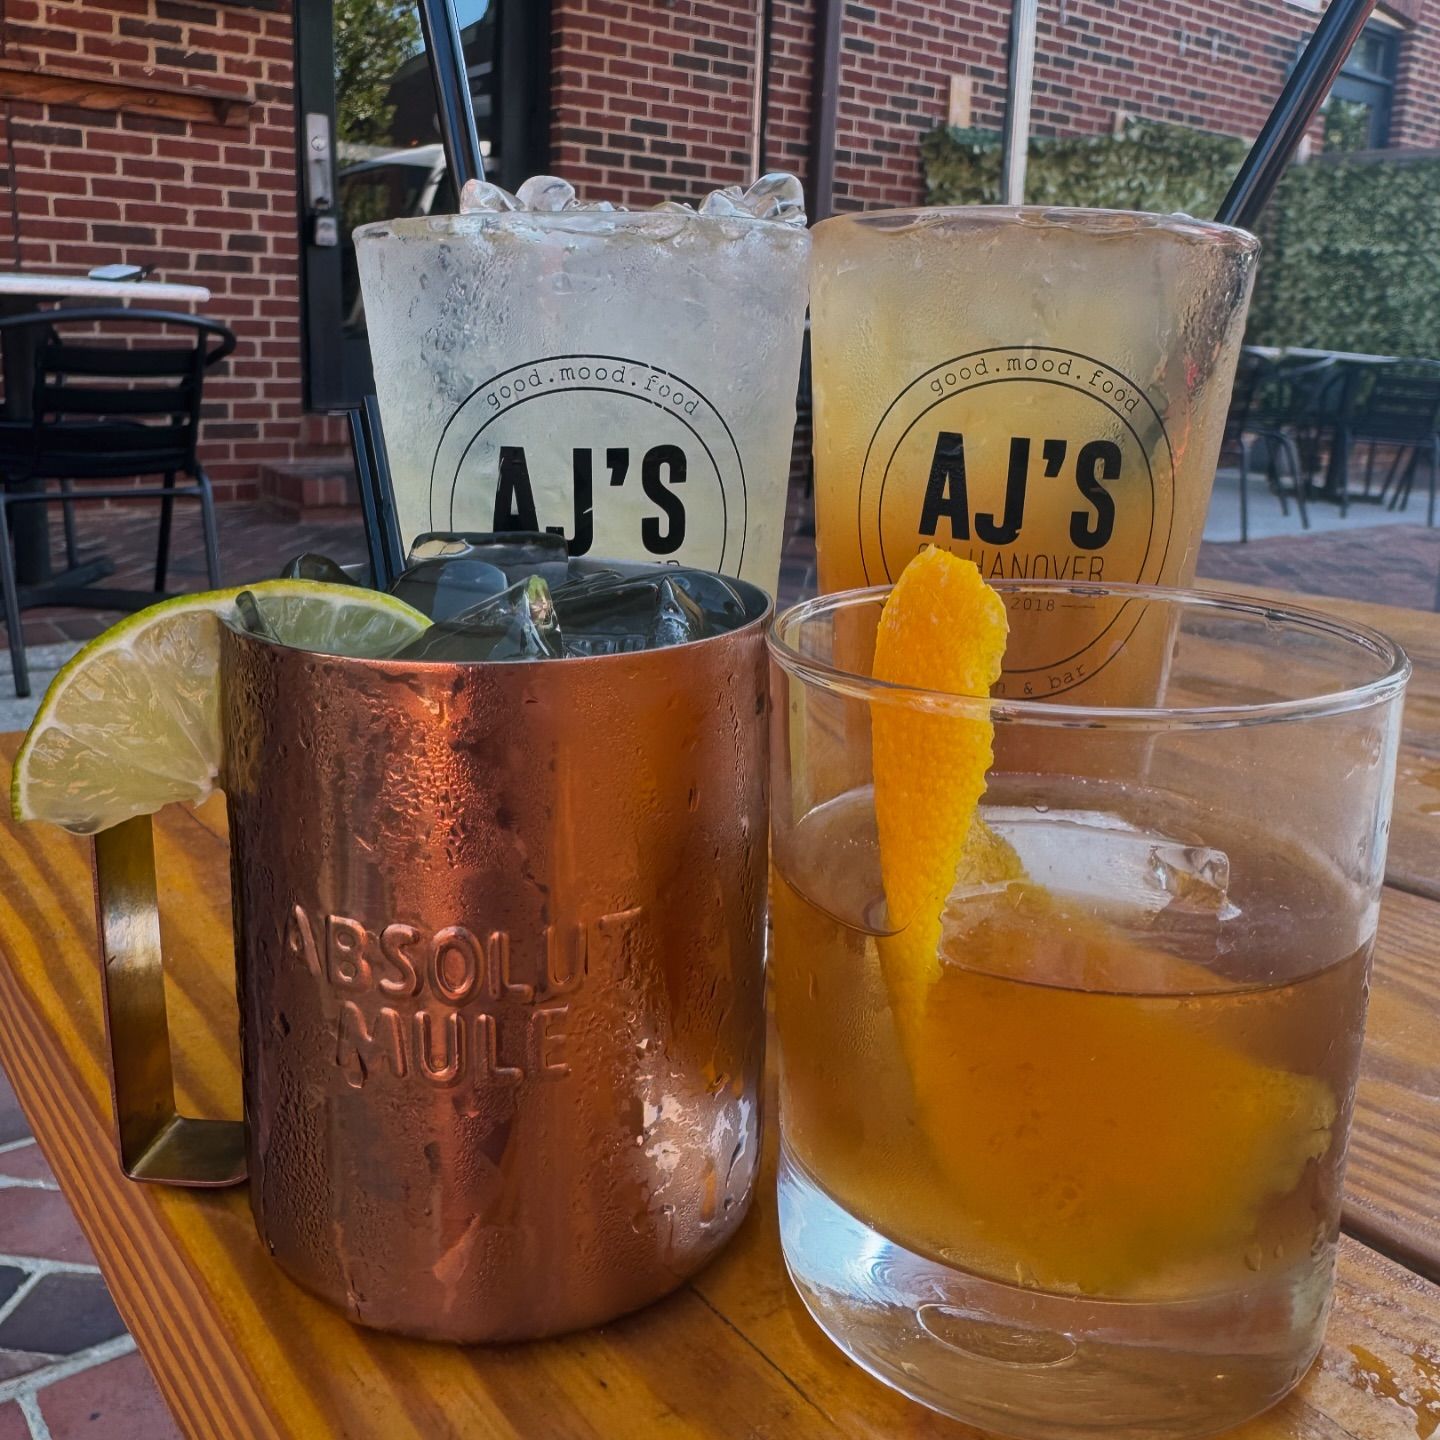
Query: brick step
x=314, y=487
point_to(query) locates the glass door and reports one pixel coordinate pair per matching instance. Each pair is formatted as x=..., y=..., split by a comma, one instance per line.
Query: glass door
x=370, y=146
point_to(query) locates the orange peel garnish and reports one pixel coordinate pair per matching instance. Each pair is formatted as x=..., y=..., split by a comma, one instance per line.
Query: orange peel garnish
x=942, y=629
x=1086, y=1132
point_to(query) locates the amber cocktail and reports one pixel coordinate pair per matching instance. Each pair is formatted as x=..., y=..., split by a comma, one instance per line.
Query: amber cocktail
x=1064, y=1157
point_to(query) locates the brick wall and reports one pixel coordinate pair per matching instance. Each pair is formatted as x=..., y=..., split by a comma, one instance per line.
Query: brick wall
x=652, y=101
x=656, y=101
x=1212, y=64
x=653, y=97
x=787, y=121
x=204, y=202
x=1415, y=121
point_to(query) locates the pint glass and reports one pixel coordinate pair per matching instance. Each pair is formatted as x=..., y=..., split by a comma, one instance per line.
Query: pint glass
x=1043, y=391
x=626, y=378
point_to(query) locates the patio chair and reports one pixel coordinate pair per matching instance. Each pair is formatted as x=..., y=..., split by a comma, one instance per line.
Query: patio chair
x=1269, y=399
x=1397, y=406
x=102, y=410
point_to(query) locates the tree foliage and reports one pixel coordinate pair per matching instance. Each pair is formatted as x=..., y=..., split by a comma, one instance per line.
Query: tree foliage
x=1347, y=125
x=1348, y=240
x=373, y=39
x=1148, y=167
x=1349, y=259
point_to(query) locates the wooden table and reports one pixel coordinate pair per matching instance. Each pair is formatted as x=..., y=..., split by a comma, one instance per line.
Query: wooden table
x=241, y=1354
x=1302, y=352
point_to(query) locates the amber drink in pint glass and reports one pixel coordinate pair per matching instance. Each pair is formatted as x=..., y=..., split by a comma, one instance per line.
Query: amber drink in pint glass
x=1042, y=391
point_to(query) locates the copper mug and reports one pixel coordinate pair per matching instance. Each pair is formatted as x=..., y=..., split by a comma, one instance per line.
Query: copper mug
x=499, y=940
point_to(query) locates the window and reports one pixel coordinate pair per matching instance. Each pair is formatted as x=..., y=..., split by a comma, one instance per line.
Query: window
x=1357, y=113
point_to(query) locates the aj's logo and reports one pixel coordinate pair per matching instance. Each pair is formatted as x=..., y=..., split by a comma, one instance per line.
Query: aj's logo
x=662, y=469
x=947, y=491
x=619, y=457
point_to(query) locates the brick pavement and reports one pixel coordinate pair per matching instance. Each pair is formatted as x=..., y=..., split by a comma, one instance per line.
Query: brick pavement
x=1386, y=564
x=1395, y=564
x=67, y=1367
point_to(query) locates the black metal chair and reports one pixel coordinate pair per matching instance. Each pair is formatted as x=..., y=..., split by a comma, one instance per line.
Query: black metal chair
x=1269, y=399
x=1396, y=405
x=96, y=408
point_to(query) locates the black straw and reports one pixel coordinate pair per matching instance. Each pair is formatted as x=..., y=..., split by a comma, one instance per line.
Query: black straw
x=453, y=106
x=377, y=498
x=1304, y=91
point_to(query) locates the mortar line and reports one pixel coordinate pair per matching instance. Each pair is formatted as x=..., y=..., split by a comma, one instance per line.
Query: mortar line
x=65, y=1368
x=18, y=1298
x=49, y=1267
x=30, y=1408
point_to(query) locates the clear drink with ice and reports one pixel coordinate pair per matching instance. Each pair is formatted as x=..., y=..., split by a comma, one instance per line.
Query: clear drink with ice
x=520, y=596
x=626, y=379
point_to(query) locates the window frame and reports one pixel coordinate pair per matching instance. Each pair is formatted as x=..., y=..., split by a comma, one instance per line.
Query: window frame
x=1373, y=88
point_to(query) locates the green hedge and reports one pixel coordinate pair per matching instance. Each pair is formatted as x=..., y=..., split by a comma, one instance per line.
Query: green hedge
x=1149, y=167
x=1350, y=240
x=1349, y=260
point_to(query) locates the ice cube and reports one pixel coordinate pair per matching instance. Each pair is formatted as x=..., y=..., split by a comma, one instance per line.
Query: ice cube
x=1094, y=854
x=441, y=588
x=607, y=618
x=626, y=615
x=480, y=196
x=580, y=582
x=678, y=618
x=252, y=618
x=776, y=196
x=1195, y=877
x=723, y=604
x=545, y=193
x=437, y=545
x=1196, y=912
x=518, y=552
x=518, y=624
x=310, y=566
x=724, y=203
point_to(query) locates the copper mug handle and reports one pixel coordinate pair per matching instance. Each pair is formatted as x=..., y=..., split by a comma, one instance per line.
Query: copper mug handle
x=156, y=1142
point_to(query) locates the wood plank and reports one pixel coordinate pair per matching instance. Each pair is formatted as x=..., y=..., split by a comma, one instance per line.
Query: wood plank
x=52, y=85
x=1414, y=862
x=239, y=1350
x=1414, y=857
x=1377, y=1378
x=1393, y=1174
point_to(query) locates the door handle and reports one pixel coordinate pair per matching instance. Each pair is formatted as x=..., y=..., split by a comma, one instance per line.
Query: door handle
x=319, y=172
x=319, y=185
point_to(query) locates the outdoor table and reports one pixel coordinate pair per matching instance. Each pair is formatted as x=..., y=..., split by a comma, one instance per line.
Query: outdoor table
x=1301, y=352
x=21, y=291
x=241, y=1353
x=1336, y=485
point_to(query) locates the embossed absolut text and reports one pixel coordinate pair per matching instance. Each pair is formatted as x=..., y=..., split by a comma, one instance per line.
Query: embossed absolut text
x=454, y=1005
